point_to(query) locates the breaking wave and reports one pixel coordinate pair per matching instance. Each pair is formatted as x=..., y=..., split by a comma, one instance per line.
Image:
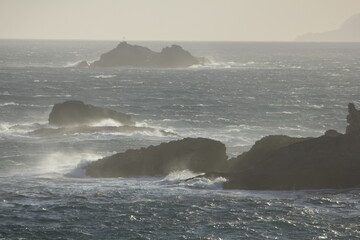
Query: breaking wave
x=189, y=179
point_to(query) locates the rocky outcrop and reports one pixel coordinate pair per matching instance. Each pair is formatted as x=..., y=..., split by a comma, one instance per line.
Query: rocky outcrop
x=323, y=162
x=71, y=113
x=353, y=119
x=137, y=56
x=262, y=149
x=273, y=163
x=195, y=154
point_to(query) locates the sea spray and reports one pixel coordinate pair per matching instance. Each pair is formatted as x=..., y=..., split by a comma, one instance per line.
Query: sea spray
x=79, y=171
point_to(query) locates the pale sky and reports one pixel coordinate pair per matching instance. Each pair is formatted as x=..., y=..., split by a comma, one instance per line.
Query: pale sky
x=174, y=20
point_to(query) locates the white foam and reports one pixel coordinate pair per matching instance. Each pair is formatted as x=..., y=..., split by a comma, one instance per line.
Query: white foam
x=107, y=123
x=78, y=171
x=104, y=76
x=178, y=176
x=64, y=163
x=204, y=183
x=8, y=104
x=73, y=64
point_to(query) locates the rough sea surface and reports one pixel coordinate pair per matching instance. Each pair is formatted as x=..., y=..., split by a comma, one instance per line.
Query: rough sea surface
x=249, y=90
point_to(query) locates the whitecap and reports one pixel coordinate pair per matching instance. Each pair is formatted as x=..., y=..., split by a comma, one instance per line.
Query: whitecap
x=104, y=76
x=106, y=123
x=177, y=177
x=204, y=183
x=8, y=104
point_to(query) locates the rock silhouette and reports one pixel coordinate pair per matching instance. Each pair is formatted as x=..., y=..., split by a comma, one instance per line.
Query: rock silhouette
x=274, y=162
x=353, y=119
x=349, y=31
x=195, y=154
x=77, y=113
x=323, y=162
x=137, y=56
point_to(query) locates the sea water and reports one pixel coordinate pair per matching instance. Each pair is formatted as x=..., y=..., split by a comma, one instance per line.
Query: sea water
x=247, y=91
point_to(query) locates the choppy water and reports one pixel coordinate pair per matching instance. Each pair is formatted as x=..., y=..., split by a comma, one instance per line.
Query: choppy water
x=248, y=91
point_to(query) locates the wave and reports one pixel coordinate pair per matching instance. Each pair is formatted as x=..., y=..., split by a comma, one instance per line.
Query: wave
x=73, y=64
x=189, y=179
x=79, y=171
x=104, y=76
x=8, y=104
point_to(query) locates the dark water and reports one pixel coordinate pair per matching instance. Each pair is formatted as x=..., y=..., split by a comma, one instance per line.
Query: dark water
x=250, y=90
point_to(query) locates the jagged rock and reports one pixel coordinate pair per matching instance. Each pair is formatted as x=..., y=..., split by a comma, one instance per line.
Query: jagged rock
x=137, y=56
x=194, y=154
x=77, y=113
x=353, y=119
x=82, y=64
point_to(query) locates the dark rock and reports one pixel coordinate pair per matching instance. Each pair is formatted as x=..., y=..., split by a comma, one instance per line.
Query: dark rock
x=332, y=133
x=82, y=64
x=273, y=163
x=137, y=56
x=77, y=113
x=195, y=154
x=353, y=119
x=323, y=162
x=262, y=149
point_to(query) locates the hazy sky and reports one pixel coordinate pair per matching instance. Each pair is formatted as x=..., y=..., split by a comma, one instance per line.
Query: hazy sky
x=192, y=20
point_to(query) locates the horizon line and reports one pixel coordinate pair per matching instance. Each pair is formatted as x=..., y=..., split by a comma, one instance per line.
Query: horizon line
x=212, y=41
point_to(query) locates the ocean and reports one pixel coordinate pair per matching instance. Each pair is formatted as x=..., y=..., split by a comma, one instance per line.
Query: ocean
x=248, y=90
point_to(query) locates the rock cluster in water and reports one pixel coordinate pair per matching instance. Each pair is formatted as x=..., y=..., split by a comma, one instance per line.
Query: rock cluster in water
x=76, y=117
x=137, y=56
x=273, y=163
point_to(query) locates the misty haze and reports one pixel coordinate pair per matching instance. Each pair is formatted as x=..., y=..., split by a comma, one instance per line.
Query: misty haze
x=204, y=119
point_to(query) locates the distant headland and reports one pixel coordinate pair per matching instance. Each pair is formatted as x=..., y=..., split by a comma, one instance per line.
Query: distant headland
x=137, y=56
x=349, y=31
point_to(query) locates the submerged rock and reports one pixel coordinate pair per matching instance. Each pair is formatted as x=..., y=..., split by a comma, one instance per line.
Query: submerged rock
x=137, y=56
x=194, y=154
x=77, y=113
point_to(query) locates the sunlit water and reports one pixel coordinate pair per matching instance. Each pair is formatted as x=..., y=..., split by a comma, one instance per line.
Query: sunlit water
x=248, y=91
